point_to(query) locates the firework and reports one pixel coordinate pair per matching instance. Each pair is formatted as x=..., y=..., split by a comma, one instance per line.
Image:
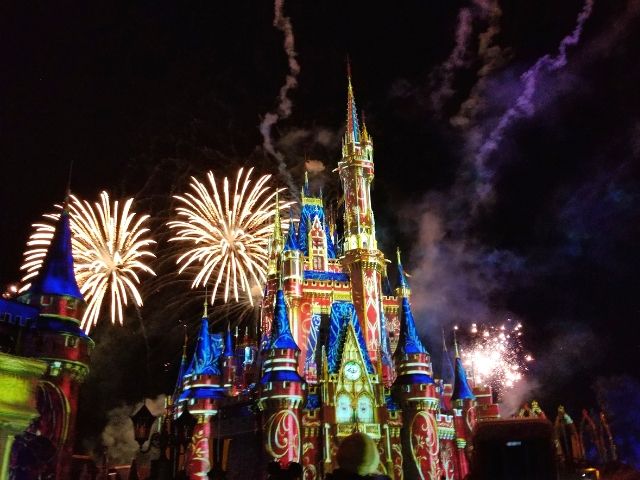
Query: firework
x=494, y=354
x=226, y=234
x=110, y=245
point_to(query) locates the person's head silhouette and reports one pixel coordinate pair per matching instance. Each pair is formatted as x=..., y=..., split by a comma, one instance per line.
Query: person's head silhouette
x=358, y=454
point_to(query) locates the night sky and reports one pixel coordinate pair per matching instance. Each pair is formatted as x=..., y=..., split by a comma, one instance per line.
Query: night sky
x=545, y=229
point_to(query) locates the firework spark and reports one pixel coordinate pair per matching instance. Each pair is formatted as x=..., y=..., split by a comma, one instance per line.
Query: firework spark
x=494, y=354
x=227, y=236
x=109, y=243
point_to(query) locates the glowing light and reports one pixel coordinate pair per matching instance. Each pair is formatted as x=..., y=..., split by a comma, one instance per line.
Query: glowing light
x=227, y=236
x=494, y=355
x=110, y=244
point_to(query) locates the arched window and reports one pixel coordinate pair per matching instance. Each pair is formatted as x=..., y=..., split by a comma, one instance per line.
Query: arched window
x=344, y=410
x=365, y=409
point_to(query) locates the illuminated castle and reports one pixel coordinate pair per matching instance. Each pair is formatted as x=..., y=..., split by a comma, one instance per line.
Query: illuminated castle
x=338, y=354
x=43, y=324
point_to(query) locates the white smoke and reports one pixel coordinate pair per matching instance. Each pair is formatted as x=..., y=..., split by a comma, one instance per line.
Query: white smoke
x=118, y=435
x=284, y=107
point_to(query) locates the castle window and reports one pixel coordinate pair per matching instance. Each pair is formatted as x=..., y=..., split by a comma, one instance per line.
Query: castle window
x=45, y=300
x=71, y=304
x=18, y=319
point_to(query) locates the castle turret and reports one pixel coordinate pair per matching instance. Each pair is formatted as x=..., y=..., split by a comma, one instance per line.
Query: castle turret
x=229, y=359
x=281, y=390
x=464, y=412
x=201, y=395
x=362, y=259
x=292, y=278
x=274, y=268
x=58, y=339
x=415, y=390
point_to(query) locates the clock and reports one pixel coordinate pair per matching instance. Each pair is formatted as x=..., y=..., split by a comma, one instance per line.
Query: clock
x=352, y=371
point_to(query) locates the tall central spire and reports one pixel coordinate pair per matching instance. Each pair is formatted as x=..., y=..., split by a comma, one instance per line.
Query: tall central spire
x=352, y=135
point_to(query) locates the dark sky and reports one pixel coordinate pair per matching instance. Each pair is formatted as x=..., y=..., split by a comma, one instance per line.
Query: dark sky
x=135, y=94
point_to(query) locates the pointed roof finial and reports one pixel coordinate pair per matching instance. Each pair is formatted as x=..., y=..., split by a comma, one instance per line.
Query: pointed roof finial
x=352, y=134
x=403, y=289
x=455, y=342
x=205, y=313
x=305, y=189
x=277, y=223
x=67, y=193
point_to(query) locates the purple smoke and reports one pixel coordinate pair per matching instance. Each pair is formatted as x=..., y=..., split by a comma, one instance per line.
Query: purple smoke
x=524, y=105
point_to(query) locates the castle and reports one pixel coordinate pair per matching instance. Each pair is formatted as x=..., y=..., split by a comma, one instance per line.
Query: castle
x=339, y=353
x=43, y=325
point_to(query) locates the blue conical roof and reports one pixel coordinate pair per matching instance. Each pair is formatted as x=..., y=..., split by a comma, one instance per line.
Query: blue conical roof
x=280, y=330
x=204, y=359
x=461, y=389
x=409, y=342
x=228, y=343
x=57, y=276
x=292, y=241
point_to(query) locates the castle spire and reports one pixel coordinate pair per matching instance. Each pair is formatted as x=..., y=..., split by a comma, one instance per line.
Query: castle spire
x=203, y=361
x=277, y=222
x=277, y=240
x=228, y=342
x=409, y=342
x=402, y=290
x=292, y=240
x=281, y=336
x=461, y=388
x=183, y=363
x=352, y=134
x=57, y=276
x=447, y=372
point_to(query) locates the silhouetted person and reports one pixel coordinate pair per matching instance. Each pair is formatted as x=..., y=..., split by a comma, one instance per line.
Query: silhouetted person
x=358, y=458
x=276, y=472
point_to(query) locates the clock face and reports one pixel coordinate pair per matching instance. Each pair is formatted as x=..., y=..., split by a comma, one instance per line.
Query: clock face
x=352, y=371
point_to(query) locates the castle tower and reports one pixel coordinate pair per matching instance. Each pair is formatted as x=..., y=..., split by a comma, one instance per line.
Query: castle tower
x=362, y=259
x=58, y=340
x=229, y=360
x=292, y=279
x=415, y=390
x=276, y=244
x=201, y=395
x=463, y=402
x=281, y=391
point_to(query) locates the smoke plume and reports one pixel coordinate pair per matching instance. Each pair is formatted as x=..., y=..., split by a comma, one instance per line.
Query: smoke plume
x=284, y=107
x=118, y=436
x=524, y=105
x=491, y=56
x=445, y=73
